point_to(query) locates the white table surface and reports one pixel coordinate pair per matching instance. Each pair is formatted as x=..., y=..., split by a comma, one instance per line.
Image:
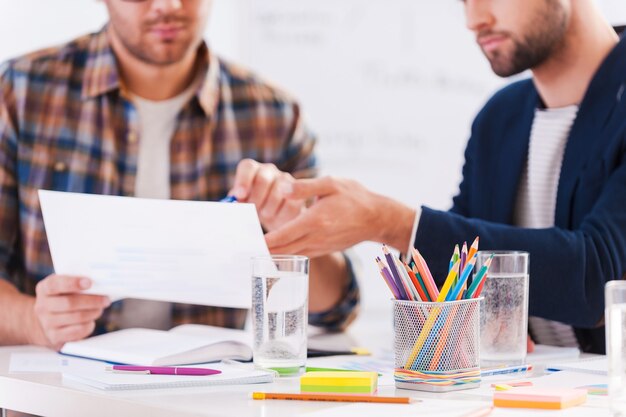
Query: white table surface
x=47, y=394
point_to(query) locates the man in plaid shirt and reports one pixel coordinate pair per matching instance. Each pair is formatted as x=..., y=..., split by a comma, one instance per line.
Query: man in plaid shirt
x=142, y=108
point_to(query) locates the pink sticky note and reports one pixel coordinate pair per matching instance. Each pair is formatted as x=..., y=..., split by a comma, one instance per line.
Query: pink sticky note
x=530, y=397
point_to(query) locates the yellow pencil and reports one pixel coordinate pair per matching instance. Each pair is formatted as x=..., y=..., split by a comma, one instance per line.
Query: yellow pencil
x=449, y=281
x=421, y=338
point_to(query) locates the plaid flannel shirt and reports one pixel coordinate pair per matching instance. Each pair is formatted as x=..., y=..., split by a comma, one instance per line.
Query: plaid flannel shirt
x=67, y=124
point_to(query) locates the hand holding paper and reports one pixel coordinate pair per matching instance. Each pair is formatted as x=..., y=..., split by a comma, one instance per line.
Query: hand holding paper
x=63, y=313
x=180, y=251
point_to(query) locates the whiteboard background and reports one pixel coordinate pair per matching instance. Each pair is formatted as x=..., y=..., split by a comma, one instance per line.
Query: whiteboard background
x=390, y=86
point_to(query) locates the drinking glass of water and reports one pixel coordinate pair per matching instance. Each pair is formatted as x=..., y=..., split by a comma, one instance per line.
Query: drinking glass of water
x=280, y=290
x=504, y=321
x=615, y=301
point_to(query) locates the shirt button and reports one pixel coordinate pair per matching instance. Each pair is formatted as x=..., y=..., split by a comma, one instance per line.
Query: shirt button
x=132, y=137
x=60, y=166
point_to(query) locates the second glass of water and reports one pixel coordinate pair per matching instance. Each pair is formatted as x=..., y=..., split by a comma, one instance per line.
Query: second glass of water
x=615, y=313
x=504, y=321
x=280, y=289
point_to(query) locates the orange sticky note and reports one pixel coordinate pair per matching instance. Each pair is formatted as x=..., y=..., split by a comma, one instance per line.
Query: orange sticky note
x=545, y=398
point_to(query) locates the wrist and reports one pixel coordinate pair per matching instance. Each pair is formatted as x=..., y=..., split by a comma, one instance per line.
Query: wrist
x=396, y=225
x=31, y=325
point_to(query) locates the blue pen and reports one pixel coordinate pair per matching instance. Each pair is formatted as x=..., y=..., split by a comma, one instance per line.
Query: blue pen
x=229, y=199
x=505, y=370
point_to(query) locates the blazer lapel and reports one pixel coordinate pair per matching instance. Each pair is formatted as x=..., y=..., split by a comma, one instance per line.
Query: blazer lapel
x=594, y=113
x=512, y=157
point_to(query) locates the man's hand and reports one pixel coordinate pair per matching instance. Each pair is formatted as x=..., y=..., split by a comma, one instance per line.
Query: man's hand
x=260, y=184
x=63, y=313
x=344, y=214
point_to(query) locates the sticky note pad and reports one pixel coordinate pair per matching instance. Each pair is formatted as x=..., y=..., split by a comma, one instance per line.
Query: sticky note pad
x=352, y=382
x=546, y=398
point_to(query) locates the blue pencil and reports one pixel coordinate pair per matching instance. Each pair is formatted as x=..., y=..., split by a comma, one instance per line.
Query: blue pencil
x=454, y=293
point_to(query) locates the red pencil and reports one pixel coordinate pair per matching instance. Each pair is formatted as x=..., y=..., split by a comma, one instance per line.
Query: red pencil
x=416, y=283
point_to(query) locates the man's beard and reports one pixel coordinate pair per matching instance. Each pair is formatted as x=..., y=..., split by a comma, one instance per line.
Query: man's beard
x=546, y=37
x=176, y=49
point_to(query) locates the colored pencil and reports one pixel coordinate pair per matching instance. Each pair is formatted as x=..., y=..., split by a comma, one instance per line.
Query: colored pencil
x=473, y=248
x=394, y=272
x=443, y=338
x=420, y=290
x=456, y=255
x=424, y=335
x=480, y=287
x=388, y=279
x=414, y=296
x=424, y=271
x=448, y=282
x=480, y=277
x=421, y=281
x=463, y=256
x=458, y=289
x=481, y=412
x=332, y=397
x=452, y=260
x=472, y=251
x=404, y=279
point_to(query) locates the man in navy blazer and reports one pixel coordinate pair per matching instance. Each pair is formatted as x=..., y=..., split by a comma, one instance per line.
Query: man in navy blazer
x=579, y=68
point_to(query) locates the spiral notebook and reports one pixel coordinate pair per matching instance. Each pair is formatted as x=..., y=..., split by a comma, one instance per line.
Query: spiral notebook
x=110, y=381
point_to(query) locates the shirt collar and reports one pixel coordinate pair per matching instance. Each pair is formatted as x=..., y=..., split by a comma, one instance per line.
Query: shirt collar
x=102, y=75
x=209, y=89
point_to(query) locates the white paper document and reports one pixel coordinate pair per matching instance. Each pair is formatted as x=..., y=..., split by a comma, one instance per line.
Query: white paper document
x=192, y=252
x=110, y=381
x=49, y=362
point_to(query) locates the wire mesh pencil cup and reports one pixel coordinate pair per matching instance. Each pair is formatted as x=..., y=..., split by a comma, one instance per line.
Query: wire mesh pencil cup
x=437, y=345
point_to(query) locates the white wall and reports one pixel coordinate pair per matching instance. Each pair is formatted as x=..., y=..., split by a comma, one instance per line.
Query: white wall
x=614, y=10
x=26, y=25
x=390, y=86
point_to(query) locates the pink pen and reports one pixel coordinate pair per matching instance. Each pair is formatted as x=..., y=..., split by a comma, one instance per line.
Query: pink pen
x=163, y=370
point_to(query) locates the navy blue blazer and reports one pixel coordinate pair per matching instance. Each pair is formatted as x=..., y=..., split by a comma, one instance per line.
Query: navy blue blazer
x=571, y=262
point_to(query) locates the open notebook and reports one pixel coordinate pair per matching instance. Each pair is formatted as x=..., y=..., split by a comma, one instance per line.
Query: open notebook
x=186, y=344
x=111, y=381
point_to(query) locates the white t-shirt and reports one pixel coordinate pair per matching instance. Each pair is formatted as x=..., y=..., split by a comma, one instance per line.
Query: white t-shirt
x=158, y=122
x=536, y=199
